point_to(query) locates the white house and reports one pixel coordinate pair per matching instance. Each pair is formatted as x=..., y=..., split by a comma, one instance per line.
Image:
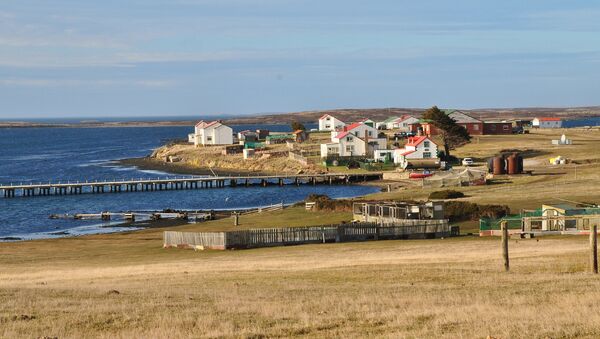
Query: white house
x=357, y=139
x=192, y=138
x=547, y=122
x=213, y=133
x=403, y=123
x=417, y=148
x=330, y=123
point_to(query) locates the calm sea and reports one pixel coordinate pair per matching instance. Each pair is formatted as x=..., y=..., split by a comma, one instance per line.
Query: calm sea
x=76, y=154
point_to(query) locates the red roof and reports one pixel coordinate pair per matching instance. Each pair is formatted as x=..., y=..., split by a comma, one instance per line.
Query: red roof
x=550, y=119
x=351, y=127
x=200, y=123
x=327, y=115
x=417, y=140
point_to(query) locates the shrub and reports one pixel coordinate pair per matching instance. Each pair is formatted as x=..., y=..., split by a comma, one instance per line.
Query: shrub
x=447, y=194
x=325, y=203
x=463, y=210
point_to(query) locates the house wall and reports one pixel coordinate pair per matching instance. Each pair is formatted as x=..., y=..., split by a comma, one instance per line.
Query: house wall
x=222, y=135
x=404, y=125
x=330, y=123
x=550, y=124
x=497, y=128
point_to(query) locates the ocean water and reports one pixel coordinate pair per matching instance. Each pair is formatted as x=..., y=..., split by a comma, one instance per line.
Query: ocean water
x=79, y=154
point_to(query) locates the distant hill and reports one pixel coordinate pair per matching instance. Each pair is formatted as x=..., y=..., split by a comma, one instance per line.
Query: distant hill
x=378, y=114
x=345, y=114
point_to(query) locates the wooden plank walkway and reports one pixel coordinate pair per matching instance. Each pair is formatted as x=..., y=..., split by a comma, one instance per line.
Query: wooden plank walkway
x=180, y=183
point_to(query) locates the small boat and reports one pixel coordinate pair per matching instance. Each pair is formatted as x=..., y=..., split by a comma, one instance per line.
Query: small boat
x=416, y=175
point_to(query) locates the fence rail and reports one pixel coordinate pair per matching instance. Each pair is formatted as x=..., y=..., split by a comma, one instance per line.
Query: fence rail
x=303, y=235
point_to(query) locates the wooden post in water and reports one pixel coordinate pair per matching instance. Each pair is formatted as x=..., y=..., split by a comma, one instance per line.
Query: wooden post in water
x=504, y=228
x=594, y=249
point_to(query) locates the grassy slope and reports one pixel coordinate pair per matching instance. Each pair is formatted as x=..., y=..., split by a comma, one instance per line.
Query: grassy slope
x=580, y=182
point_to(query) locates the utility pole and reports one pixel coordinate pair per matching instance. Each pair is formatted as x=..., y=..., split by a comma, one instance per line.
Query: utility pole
x=504, y=228
x=594, y=249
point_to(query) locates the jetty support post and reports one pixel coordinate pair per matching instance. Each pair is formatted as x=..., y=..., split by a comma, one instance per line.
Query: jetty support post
x=594, y=249
x=504, y=229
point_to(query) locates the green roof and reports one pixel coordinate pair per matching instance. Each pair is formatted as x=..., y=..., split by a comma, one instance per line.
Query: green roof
x=390, y=119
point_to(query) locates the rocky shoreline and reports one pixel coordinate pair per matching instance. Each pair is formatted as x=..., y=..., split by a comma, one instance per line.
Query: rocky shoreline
x=153, y=164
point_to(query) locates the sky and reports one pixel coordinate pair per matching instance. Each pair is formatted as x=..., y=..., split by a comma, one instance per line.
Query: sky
x=109, y=58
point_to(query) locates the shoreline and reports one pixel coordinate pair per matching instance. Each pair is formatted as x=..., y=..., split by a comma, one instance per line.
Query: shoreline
x=151, y=164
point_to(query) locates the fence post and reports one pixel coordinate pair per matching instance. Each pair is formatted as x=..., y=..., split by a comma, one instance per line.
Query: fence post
x=504, y=228
x=236, y=221
x=594, y=249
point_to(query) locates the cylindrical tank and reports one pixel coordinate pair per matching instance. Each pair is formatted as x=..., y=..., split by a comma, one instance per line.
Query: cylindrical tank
x=499, y=165
x=490, y=165
x=511, y=164
x=519, y=164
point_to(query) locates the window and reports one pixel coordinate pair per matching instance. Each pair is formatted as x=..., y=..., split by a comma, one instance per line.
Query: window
x=349, y=139
x=505, y=127
x=476, y=127
x=426, y=154
x=328, y=118
x=426, y=144
x=328, y=126
x=209, y=138
x=370, y=133
x=349, y=148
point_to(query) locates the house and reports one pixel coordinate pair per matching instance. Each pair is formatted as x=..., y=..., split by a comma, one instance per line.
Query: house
x=383, y=124
x=279, y=138
x=472, y=125
x=357, y=139
x=192, y=138
x=421, y=147
x=497, y=127
x=369, y=122
x=212, y=133
x=547, y=122
x=398, y=123
x=330, y=123
x=403, y=123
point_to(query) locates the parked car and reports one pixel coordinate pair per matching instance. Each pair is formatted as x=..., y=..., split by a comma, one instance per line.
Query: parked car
x=467, y=162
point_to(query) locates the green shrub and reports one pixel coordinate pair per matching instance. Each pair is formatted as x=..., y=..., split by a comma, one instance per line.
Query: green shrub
x=447, y=194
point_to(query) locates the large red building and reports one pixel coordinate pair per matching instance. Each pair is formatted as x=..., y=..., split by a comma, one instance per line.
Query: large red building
x=473, y=126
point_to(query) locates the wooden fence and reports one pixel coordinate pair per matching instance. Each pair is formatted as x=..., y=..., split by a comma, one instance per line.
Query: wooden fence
x=304, y=235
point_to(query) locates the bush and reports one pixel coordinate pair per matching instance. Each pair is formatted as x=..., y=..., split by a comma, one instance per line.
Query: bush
x=325, y=203
x=463, y=210
x=447, y=194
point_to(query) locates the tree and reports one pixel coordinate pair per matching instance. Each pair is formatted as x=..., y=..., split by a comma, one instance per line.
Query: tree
x=452, y=134
x=297, y=126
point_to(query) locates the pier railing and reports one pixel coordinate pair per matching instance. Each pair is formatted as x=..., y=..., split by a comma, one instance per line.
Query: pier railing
x=178, y=183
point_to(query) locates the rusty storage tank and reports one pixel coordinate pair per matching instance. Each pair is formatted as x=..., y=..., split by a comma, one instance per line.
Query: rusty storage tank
x=499, y=165
x=490, y=165
x=511, y=164
x=519, y=164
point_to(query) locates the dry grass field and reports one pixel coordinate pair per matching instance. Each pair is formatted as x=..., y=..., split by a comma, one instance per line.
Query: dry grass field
x=126, y=285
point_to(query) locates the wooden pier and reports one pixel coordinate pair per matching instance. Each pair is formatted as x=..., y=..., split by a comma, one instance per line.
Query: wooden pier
x=180, y=183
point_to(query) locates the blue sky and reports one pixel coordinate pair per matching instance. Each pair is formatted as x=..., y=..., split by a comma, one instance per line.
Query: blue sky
x=81, y=58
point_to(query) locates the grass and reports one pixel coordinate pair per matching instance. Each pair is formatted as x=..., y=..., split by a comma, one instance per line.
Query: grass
x=126, y=285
